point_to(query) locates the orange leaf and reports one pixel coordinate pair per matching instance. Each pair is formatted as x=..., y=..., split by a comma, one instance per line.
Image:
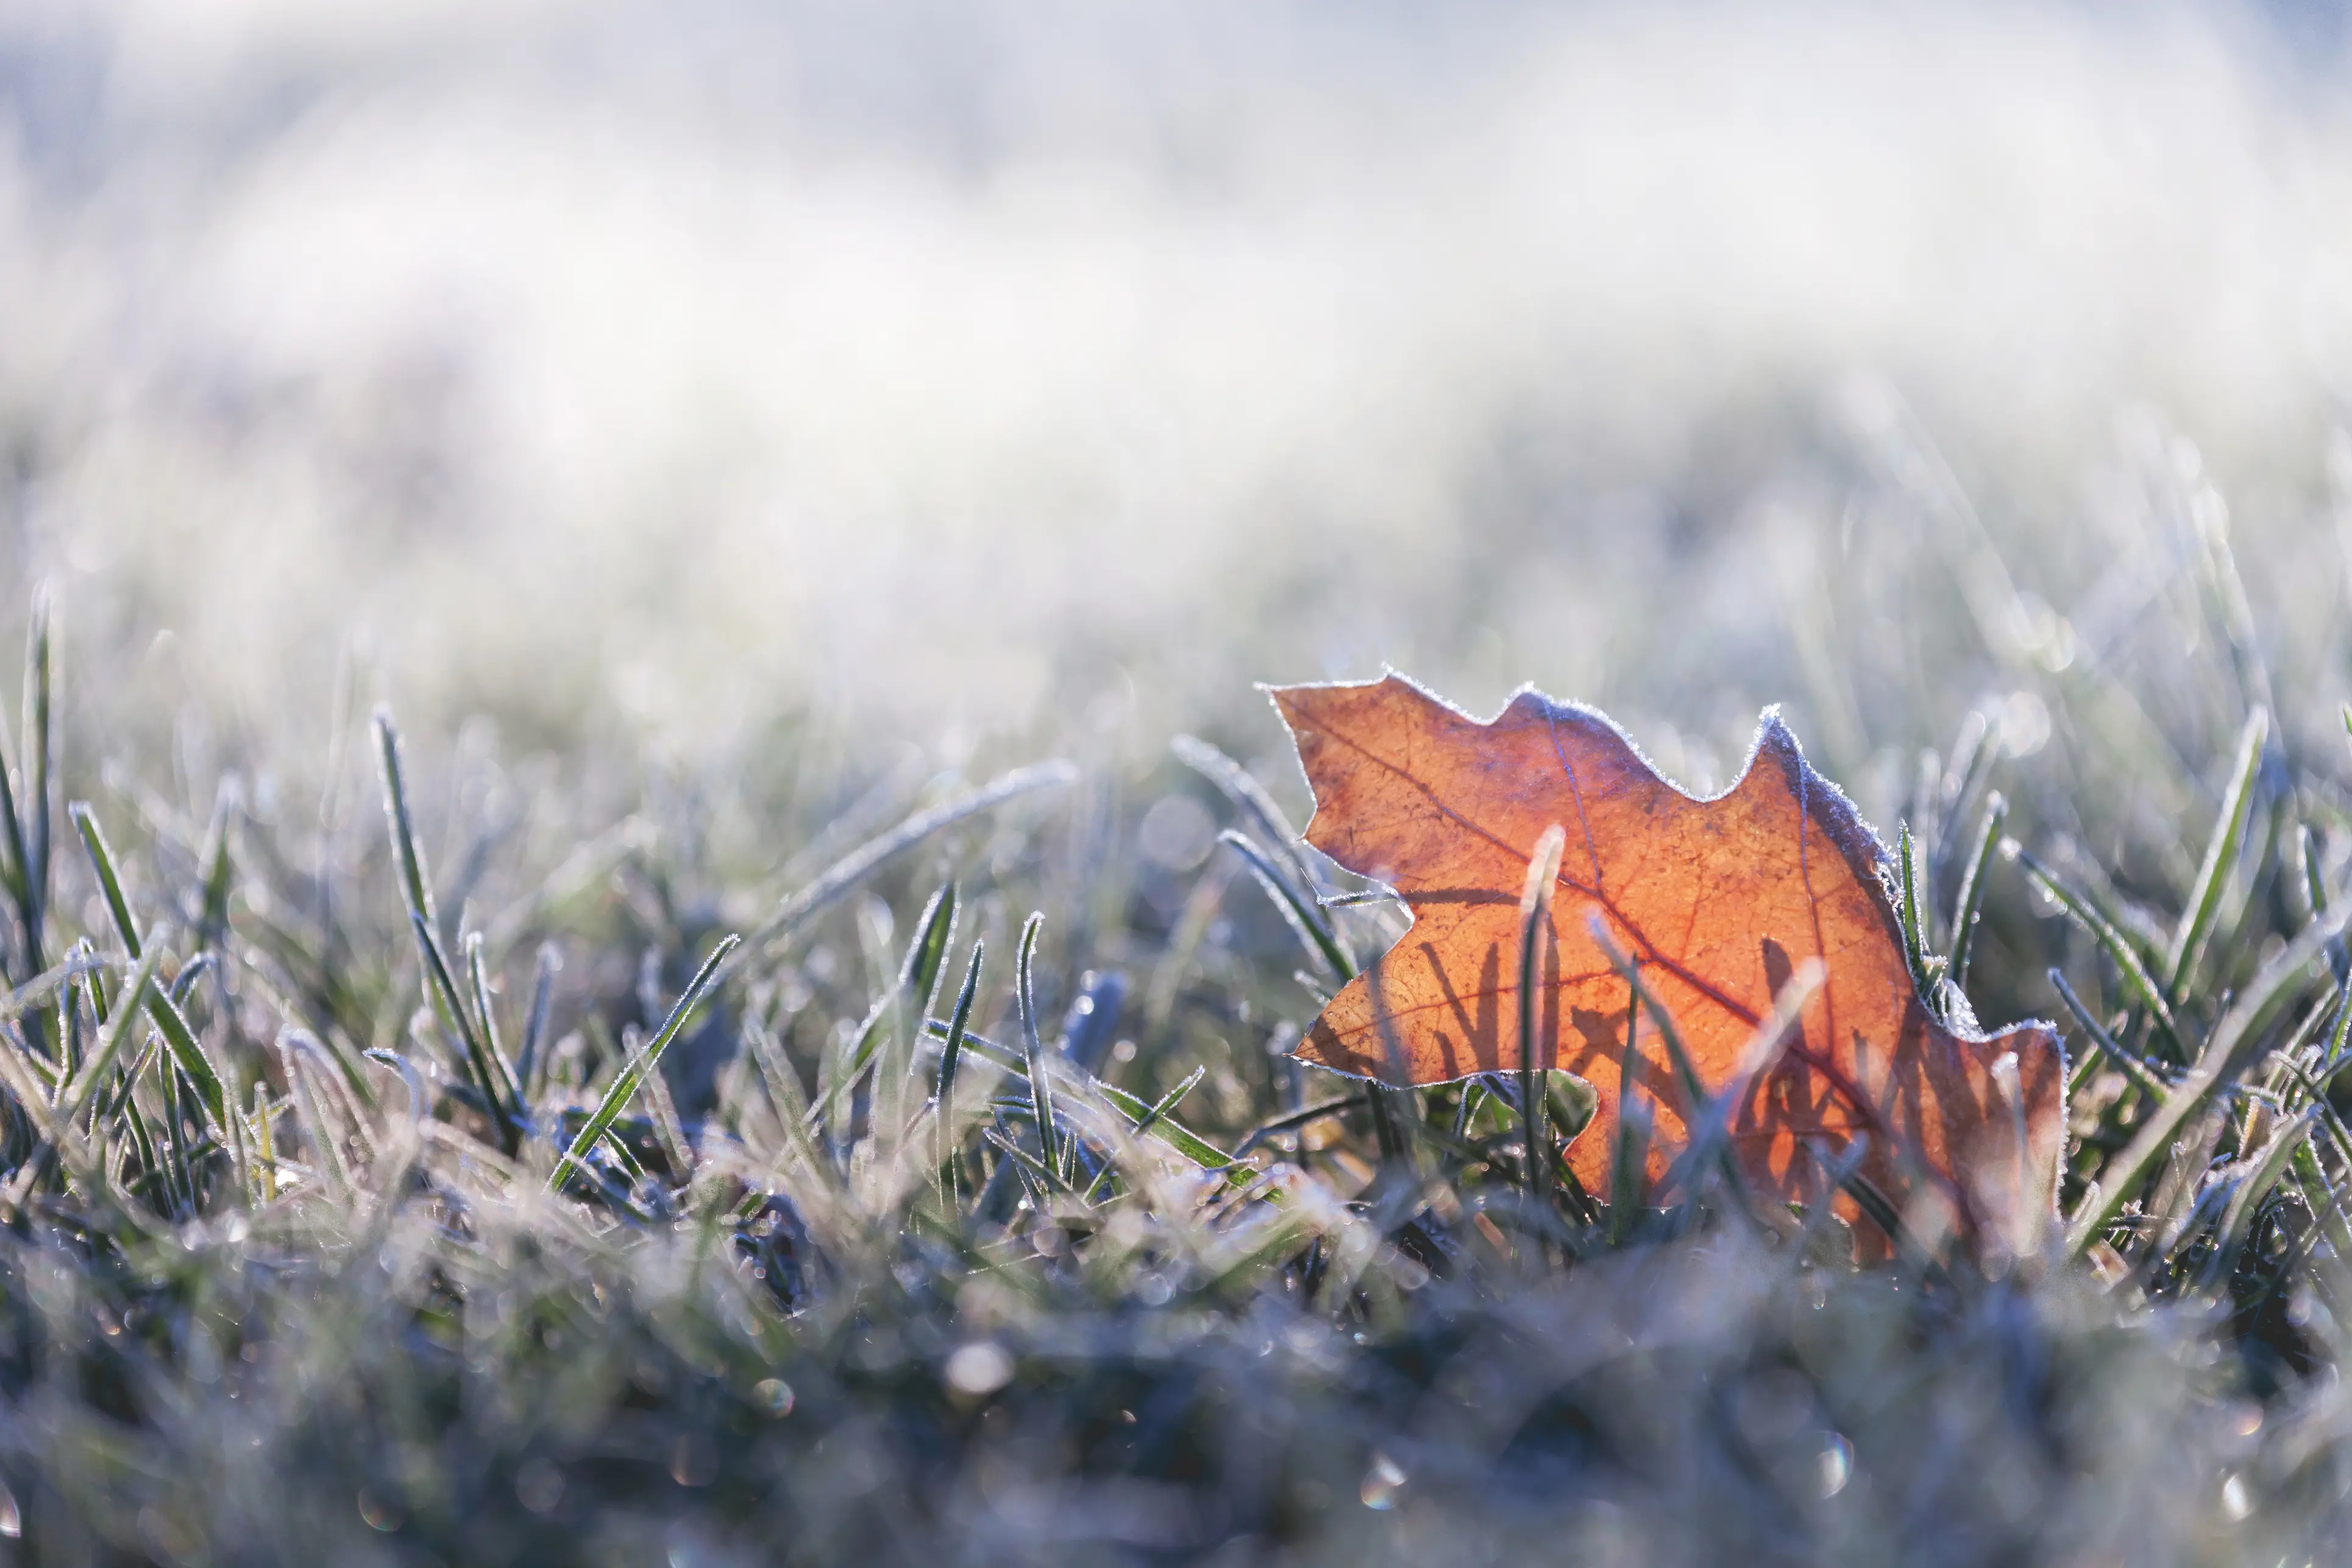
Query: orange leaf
x=1720, y=902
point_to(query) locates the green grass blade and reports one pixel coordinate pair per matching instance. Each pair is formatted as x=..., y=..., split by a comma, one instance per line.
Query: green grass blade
x=1629, y=1155
x=2104, y=1046
x=1967, y=905
x=189, y=1053
x=415, y=888
x=1536, y=943
x=186, y=1051
x=1906, y=906
x=1306, y=917
x=951, y=1054
x=624, y=1084
x=440, y=982
x=40, y=769
x=1160, y=1108
x=117, y=1031
x=441, y=987
x=2152, y=1144
x=478, y=978
x=2222, y=856
x=918, y=980
x=17, y=873
x=1041, y=1079
x=2315, y=875
x=1176, y=1135
x=109, y=882
x=1042, y=1179
x=927, y=959
x=668, y=1131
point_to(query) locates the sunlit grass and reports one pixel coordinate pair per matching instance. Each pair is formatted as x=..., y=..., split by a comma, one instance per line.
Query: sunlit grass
x=431, y=1184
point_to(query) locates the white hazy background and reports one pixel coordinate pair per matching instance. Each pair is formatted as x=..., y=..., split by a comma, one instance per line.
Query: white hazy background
x=649, y=369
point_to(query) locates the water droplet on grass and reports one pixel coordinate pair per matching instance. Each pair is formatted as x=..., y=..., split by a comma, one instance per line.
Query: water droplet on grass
x=1382, y=1482
x=2237, y=1501
x=774, y=1395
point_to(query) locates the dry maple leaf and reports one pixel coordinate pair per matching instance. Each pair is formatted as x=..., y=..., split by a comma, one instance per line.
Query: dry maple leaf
x=1720, y=902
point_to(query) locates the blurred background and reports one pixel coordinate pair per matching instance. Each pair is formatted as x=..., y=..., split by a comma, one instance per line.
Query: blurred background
x=1012, y=377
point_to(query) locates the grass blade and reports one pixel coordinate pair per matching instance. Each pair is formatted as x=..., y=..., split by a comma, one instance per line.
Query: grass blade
x=116, y=1033
x=928, y=958
x=1965, y=906
x=110, y=883
x=1629, y=1157
x=2131, y=1167
x=1535, y=1058
x=40, y=768
x=917, y=981
x=1041, y=1086
x=416, y=889
x=626, y=1083
x=950, y=1053
x=1175, y=1134
x=491, y=1078
x=667, y=1130
x=478, y=978
x=441, y=987
x=1906, y=906
x=185, y=1048
x=1160, y=1108
x=17, y=874
x=2222, y=856
x=1306, y=917
x=188, y=1052
x=2105, y=1045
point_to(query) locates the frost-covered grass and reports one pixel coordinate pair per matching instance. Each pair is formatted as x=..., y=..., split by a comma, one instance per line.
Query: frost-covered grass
x=446, y=1155
x=726, y=435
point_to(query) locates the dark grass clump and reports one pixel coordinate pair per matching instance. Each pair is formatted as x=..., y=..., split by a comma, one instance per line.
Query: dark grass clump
x=452, y=1187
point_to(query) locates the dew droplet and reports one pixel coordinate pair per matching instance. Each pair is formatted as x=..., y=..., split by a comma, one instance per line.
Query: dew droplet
x=2236, y=1500
x=1382, y=1481
x=774, y=1395
x=1837, y=1463
x=12, y=1524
